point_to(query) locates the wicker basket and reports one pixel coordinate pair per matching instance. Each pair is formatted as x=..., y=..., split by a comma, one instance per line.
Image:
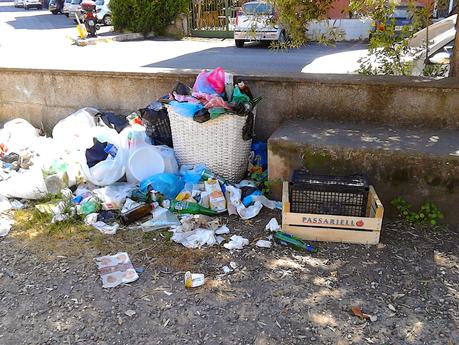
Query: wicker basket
x=216, y=143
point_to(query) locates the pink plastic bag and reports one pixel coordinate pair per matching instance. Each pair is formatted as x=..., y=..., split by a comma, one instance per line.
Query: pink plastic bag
x=216, y=79
x=202, y=84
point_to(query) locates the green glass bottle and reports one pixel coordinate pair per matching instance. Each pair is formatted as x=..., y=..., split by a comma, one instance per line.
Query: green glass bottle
x=294, y=242
x=184, y=207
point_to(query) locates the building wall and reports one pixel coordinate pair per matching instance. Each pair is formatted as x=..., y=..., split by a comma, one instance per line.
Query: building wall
x=339, y=10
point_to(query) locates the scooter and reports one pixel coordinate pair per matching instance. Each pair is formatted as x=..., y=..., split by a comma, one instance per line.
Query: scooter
x=89, y=16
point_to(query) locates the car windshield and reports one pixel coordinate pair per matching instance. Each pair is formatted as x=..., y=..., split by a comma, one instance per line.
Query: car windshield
x=99, y=2
x=258, y=8
x=76, y=2
x=401, y=12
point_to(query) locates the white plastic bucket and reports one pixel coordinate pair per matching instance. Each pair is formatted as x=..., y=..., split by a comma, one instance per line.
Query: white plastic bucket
x=144, y=162
x=110, y=170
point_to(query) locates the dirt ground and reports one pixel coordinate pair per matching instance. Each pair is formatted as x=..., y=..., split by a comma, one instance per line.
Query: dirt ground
x=50, y=291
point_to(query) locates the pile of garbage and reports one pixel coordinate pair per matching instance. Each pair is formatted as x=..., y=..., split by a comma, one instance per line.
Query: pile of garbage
x=213, y=94
x=112, y=171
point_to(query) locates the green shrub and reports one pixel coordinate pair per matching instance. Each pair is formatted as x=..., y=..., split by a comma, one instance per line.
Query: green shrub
x=146, y=16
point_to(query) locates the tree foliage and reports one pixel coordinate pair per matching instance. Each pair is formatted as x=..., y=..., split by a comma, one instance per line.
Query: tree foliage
x=295, y=15
x=146, y=16
x=389, y=50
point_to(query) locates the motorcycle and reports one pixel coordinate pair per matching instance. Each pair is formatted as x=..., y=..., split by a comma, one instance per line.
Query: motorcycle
x=90, y=19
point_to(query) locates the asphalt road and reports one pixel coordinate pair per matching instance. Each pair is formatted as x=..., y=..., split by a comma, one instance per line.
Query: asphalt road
x=38, y=39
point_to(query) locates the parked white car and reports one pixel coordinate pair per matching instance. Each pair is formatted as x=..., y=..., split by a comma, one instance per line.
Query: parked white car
x=66, y=8
x=256, y=22
x=28, y=4
x=18, y=3
x=75, y=8
x=104, y=14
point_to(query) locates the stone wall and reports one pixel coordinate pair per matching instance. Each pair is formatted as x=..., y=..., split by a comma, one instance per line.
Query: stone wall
x=45, y=96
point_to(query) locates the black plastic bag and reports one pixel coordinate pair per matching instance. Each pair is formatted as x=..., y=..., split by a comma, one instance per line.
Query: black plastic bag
x=157, y=124
x=248, y=129
x=111, y=120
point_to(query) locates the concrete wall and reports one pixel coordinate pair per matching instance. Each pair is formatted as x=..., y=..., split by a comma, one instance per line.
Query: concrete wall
x=345, y=29
x=45, y=96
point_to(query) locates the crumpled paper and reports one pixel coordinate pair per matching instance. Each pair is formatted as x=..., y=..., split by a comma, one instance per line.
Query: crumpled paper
x=273, y=225
x=236, y=242
x=196, y=238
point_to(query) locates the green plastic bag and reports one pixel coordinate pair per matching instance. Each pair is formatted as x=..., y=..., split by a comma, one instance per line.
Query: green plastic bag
x=239, y=97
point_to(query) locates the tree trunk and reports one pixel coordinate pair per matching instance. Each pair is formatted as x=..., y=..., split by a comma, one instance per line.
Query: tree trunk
x=454, y=69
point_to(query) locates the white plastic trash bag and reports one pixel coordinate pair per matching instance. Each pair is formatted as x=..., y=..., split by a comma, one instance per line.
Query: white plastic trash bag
x=70, y=131
x=111, y=169
x=27, y=185
x=19, y=134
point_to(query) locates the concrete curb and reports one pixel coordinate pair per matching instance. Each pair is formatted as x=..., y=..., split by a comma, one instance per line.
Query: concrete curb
x=82, y=42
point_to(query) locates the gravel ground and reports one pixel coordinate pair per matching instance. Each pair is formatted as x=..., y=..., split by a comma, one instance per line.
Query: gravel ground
x=50, y=291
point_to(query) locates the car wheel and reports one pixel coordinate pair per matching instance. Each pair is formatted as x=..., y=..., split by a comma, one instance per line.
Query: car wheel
x=282, y=38
x=107, y=20
x=239, y=43
x=55, y=12
x=39, y=8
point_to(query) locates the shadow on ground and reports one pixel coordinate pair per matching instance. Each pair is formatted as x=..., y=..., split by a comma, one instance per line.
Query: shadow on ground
x=254, y=58
x=40, y=21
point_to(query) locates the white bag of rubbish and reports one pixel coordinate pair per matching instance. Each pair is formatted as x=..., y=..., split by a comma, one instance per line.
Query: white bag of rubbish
x=27, y=185
x=19, y=134
x=110, y=169
x=70, y=131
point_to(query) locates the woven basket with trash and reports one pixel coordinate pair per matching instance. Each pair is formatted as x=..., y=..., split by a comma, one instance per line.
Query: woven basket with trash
x=172, y=164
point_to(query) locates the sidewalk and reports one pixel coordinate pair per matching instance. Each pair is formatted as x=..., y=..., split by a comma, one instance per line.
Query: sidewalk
x=107, y=35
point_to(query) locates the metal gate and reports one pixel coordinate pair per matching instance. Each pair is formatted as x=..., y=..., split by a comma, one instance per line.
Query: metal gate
x=214, y=18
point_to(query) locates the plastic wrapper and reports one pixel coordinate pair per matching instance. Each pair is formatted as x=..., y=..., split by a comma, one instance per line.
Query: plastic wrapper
x=216, y=79
x=273, y=225
x=114, y=196
x=167, y=184
x=105, y=228
x=196, y=238
x=116, y=269
x=264, y=244
x=186, y=109
x=202, y=85
x=162, y=219
x=236, y=242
